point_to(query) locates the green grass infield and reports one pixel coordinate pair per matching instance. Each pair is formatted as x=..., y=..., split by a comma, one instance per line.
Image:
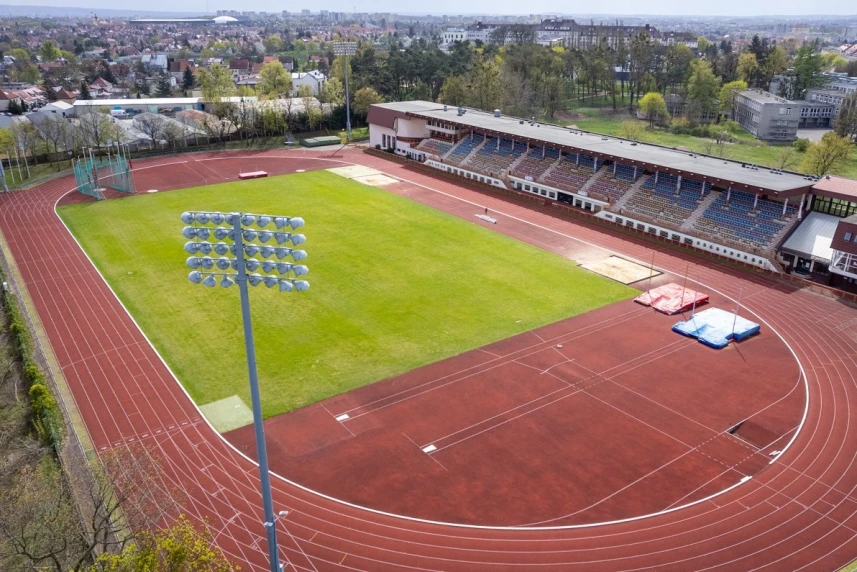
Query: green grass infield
x=394, y=285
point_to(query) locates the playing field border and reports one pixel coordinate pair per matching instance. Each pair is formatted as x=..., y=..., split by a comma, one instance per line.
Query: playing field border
x=449, y=524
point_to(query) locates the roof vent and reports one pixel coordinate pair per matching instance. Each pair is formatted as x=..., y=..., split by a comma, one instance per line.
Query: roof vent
x=827, y=176
x=444, y=107
x=497, y=113
x=633, y=143
x=460, y=111
x=521, y=122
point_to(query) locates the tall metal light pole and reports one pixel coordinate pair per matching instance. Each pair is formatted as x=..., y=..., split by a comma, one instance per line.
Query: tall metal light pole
x=242, y=236
x=346, y=49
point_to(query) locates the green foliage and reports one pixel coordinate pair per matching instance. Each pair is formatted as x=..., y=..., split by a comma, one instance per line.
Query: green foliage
x=181, y=547
x=801, y=144
x=45, y=414
x=653, y=106
x=423, y=306
x=274, y=80
x=364, y=98
x=823, y=157
x=216, y=83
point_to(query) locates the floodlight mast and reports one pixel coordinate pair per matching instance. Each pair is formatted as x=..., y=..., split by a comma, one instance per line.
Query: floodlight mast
x=258, y=421
x=206, y=277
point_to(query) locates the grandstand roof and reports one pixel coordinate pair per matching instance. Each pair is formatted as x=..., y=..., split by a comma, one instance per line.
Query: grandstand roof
x=812, y=238
x=720, y=172
x=837, y=188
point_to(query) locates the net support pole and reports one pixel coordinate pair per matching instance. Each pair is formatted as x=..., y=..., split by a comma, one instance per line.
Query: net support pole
x=735, y=320
x=651, y=272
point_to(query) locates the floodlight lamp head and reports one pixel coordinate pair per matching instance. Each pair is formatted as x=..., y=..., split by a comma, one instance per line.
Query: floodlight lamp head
x=263, y=221
x=286, y=286
x=281, y=221
x=226, y=282
x=221, y=248
x=187, y=217
x=266, y=251
x=193, y=262
x=203, y=233
x=284, y=267
x=229, y=218
x=207, y=262
x=224, y=263
x=300, y=270
x=282, y=252
x=282, y=237
x=210, y=281
x=252, y=264
x=265, y=235
x=251, y=250
x=220, y=233
x=217, y=218
x=191, y=247
x=248, y=219
x=301, y=285
x=195, y=276
x=299, y=255
x=297, y=239
x=250, y=235
x=202, y=218
x=189, y=232
x=269, y=266
x=254, y=279
x=271, y=281
x=205, y=247
x=296, y=222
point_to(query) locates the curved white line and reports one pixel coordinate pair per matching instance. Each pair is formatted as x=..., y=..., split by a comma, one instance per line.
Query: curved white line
x=436, y=522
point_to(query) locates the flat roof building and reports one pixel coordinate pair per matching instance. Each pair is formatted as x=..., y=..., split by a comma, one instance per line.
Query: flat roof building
x=767, y=116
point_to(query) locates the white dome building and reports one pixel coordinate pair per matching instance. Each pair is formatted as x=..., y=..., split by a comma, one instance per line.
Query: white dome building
x=225, y=20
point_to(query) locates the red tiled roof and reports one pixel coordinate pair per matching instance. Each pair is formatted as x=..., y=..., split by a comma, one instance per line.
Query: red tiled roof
x=239, y=64
x=831, y=185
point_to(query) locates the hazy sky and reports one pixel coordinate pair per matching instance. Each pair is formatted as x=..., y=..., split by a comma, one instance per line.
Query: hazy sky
x=617, y=7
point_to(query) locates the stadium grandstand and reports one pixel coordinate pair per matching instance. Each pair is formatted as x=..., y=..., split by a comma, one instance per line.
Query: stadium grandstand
x=756, y=215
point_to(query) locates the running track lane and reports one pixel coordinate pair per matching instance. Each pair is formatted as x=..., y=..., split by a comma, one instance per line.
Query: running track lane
x=799, y=514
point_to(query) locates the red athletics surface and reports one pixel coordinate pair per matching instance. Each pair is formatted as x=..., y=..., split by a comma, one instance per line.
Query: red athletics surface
x=527, y=414
x=800, y=513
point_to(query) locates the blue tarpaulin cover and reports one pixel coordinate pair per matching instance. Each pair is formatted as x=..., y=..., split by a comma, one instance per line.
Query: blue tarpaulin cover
x=715, y=327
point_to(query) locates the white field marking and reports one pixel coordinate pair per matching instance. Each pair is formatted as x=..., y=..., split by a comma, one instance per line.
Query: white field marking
x=429, y=449
x=745, y=479
x=342, y=417
x=423, y=520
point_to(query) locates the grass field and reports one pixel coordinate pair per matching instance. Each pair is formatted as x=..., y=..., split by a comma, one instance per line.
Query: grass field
x=395, y=285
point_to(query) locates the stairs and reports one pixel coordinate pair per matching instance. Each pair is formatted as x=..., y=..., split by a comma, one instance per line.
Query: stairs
x=595, y=176
x=516, y=162
x=549, y=169
x=464, y=163
x=634, y=188
x=688, y=224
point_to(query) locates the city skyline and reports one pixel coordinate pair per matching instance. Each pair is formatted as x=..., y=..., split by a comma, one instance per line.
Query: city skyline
x=610, y=9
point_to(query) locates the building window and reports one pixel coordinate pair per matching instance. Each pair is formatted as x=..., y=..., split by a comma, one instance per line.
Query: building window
x=847, y=236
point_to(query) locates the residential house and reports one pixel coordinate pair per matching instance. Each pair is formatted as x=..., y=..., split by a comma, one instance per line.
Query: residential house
x=287, y=61
x=7, y=97
x=101, y=88
x=240, y=69
x=315, y=79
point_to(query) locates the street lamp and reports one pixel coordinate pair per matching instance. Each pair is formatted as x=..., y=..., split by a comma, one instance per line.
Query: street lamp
x=239, y=238
x=346, y=49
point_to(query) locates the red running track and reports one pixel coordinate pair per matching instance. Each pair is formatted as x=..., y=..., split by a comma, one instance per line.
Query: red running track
x=798, y=514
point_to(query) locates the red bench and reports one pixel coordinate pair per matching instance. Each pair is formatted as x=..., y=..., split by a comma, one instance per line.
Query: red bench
x=252, y=175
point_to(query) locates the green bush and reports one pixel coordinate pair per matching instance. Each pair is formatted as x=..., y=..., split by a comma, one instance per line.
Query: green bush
x=801, y=145
x=680, y=126
x=701, y=131
x=47, y=418
x=730, y=126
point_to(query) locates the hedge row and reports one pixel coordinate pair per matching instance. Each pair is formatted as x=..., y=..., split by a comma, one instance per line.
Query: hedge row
x=46, y=416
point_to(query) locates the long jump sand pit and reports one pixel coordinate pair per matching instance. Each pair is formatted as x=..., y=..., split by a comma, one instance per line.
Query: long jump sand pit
x=621, y=270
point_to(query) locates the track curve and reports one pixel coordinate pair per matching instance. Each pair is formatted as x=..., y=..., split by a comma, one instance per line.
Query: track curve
x=798, y=514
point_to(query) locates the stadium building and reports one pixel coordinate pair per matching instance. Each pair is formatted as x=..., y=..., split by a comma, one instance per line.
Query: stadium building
x=759, y=216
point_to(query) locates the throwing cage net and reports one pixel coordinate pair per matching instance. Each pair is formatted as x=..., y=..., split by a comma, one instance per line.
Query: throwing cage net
x=113, y=170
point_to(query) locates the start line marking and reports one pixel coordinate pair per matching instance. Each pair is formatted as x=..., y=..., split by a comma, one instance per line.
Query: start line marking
x=429, y=449
x=342, y=417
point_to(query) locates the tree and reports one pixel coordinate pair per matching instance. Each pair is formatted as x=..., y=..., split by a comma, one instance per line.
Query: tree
x=273, y=44
x=702, y=44
x=55, y=131
x=807, y=66
x=152, y=125
x=677, y=68
x=632, y=130
x=654, y=107
x=822, y=157
x=786, y=157
x=216, y=83
x=453, y=91
x=727, y=96
x=84, y=91
x=97, y=128
x=15, y=107
x=846, y=122
x=49, y=51
x=748, y=68
x=163, y=89
x=703, y=88
x=364, y=98
x=776, y=63
x=27, y=73
x=188, y=80
x=337, y=69
x=181, y=547
x=333, y=92
x=274, y=81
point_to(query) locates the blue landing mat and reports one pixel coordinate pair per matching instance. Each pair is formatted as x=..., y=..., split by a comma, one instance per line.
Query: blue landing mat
x=714, y=327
